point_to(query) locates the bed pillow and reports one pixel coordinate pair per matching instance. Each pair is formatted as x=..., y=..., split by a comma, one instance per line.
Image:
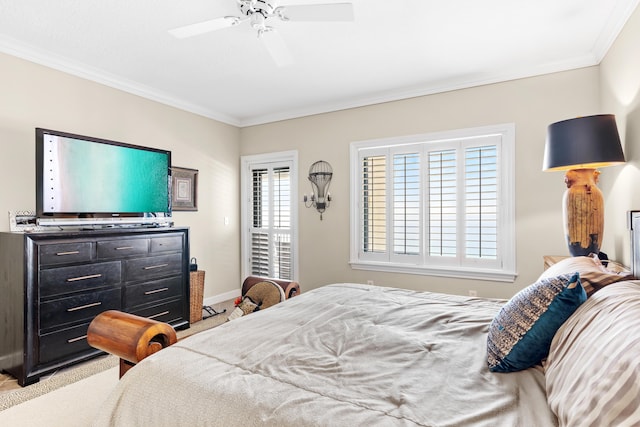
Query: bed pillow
x=521, y=333
x=592, y=374
x=593, y=275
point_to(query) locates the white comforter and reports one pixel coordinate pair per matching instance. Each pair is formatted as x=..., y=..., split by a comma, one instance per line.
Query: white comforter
x=341, y=355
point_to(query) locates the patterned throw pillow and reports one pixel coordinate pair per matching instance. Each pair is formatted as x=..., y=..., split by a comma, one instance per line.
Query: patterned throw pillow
x=520, y=335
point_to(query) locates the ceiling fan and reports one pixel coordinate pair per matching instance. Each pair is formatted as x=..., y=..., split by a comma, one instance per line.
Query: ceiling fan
x=259, y=12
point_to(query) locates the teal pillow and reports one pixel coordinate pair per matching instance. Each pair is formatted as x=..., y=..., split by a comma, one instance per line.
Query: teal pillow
x=520, y=335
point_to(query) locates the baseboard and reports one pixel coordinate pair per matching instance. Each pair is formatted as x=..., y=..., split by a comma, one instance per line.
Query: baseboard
x=222, y=297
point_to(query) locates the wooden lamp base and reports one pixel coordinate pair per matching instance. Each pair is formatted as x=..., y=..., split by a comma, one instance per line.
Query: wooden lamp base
x=583, y=210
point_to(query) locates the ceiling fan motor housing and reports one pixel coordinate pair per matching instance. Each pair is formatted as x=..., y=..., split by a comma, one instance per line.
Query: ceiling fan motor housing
x=266, y=8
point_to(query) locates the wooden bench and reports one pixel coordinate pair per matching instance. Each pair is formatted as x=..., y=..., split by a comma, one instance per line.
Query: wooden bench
x=130, y=337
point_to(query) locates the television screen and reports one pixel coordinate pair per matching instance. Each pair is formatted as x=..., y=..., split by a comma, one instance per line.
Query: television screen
x=88, y=178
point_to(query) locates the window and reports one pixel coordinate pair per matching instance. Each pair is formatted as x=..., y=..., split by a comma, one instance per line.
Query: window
x=440, y=204
x=269, y=216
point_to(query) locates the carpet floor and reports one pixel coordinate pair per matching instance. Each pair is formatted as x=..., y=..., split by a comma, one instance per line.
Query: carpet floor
x=74, y=405
x=12, y=394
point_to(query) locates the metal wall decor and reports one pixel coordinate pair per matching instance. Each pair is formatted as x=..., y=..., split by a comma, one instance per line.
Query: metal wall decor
x=320, y=174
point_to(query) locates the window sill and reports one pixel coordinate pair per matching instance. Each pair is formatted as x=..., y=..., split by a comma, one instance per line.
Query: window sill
x=460, y=273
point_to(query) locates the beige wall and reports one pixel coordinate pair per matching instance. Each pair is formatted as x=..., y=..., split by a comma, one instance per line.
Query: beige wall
x=620, y=85
x=35, y=96
x=532, y=104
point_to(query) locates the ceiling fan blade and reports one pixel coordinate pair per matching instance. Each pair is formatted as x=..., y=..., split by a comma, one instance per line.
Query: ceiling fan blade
x=317, y=12
x=204, y=27
x=277, y=48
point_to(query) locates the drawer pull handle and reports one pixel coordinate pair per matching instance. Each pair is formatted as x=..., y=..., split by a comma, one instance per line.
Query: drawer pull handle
x=72, y=340
x=155, y=291
x=82, y=307
x=67, y=253
x=91, y=276
x=151, y=267
x=124, y=248
x=158, y=315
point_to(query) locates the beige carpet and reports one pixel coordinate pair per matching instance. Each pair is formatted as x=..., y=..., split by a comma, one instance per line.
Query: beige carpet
x=74, y=405
x=61, y=378
x=12, y=394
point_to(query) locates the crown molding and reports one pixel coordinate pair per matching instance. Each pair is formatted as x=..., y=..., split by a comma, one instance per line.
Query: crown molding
x=30, y=53
x=601, y=46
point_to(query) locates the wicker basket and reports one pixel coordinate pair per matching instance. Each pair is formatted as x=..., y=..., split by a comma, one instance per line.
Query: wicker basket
x=197, y=294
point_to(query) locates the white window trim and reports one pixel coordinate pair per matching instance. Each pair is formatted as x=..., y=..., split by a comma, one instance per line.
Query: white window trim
x=505, y=273
x=245, y=181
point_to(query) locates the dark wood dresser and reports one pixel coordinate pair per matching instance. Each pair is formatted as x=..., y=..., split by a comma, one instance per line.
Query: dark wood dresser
x=52, y=284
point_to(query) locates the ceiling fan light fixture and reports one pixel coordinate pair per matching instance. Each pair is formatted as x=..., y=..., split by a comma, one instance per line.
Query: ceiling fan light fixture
x=258, y=23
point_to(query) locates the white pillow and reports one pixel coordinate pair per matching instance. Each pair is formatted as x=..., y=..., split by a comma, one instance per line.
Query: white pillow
x=593, y=275
x=593, y=369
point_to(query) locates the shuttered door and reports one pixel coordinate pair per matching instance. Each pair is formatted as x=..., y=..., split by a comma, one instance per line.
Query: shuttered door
x=270, y=253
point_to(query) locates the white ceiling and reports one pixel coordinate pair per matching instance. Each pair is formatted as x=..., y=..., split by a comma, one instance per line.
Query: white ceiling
x=394, y=49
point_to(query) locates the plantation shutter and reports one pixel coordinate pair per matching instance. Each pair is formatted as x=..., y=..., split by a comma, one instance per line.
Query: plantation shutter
x=270, y=233
x=481, y=197
x=463, y=219
x=439, y=204
x=374, y=204
x=443, y=211
x=406, y=204
x=436, y=205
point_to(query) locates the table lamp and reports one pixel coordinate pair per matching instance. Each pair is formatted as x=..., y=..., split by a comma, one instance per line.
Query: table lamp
x=579, y=146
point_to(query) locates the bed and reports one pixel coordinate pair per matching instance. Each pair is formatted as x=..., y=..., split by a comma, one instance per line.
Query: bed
x=358, y=355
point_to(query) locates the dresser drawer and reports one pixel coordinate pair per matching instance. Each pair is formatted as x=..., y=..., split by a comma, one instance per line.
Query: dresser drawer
x=122, y=248
x=55, y=281
x=168, y=312
x=146, y=293
x=63, y=343
x=63, y=253
x=78, y=307
x=167, y=243
x=152, y=267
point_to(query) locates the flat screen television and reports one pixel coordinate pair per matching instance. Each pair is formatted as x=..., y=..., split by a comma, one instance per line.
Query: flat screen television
x=82, y=180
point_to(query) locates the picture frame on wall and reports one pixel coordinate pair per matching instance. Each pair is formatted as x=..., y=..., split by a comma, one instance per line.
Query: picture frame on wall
x=184, y=189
